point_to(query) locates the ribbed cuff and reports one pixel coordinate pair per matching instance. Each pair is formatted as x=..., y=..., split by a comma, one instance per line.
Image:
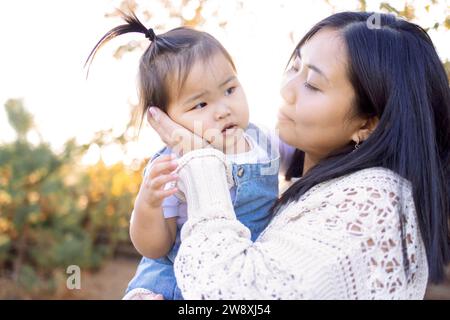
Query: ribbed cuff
x=205, y=179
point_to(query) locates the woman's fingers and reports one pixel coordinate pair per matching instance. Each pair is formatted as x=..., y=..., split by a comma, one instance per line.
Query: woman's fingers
x=180, y=139
x=152, y=118
x=162, y=124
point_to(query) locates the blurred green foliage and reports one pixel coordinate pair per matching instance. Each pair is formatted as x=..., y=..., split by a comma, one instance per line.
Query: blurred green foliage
x=55, y=212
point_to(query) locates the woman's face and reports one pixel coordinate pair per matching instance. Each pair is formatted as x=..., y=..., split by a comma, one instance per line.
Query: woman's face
x=316, y=114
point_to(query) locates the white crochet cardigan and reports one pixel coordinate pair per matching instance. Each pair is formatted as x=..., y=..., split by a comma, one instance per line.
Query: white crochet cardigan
x=341, y=240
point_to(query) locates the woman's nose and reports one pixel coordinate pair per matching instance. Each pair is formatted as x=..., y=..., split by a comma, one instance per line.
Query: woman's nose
x=287, y=91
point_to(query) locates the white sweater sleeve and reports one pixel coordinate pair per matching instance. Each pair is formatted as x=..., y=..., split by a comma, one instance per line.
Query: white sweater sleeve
x=341, y=241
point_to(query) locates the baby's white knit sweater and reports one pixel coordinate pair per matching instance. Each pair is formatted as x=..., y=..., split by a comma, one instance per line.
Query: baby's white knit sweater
x=347, y=238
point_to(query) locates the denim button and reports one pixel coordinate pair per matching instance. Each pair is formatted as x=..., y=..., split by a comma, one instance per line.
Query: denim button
x=240, y=172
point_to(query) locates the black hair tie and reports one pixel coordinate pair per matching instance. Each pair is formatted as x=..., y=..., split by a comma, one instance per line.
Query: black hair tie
x=150, y=34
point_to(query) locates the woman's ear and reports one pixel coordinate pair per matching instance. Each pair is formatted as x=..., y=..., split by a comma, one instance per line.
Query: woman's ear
x=368, y=126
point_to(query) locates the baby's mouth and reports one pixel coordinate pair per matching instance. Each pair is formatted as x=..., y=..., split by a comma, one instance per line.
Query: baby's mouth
x=230, y=128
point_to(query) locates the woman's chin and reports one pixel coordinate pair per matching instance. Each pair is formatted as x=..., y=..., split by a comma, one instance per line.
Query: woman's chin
x=286, y=135
x=283, y=124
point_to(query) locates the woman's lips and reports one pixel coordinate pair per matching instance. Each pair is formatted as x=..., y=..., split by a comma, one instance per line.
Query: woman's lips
x=282, y=116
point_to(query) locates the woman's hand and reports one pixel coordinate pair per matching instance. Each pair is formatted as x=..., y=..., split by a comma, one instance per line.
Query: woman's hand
x=177, y=137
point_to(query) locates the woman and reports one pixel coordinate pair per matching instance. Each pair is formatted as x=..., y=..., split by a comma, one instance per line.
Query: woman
x=368, y=110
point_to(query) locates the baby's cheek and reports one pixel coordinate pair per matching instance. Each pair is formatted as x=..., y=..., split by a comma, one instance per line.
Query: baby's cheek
x=192, y=124
x=206, y=130
x=243, y=117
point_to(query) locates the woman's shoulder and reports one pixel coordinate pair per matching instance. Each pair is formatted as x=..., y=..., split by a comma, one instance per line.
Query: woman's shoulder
x=376, y=178
x=374, y=187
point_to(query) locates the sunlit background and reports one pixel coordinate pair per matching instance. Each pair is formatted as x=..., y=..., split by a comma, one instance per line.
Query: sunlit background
x=44, y=46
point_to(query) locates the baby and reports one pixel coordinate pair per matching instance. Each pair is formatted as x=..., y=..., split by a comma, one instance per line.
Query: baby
x=190, y=76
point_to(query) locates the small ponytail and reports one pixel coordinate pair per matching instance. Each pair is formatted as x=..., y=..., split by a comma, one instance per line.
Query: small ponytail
x=133, y=24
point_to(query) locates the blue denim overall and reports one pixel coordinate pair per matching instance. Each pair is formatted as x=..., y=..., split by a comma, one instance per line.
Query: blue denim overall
x=255, y=191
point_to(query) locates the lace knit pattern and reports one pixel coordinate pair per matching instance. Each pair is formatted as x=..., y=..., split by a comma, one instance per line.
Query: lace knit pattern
x=347, y=238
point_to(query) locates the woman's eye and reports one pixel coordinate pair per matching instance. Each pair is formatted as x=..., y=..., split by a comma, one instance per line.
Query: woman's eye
x=229, y=91
x=200, y=105
x=309, y=86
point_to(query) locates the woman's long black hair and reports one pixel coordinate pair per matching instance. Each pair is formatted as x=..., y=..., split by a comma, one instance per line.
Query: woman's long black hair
x=398, y=77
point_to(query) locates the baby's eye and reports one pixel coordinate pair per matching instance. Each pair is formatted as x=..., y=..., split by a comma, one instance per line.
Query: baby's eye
x=200, y=105
x=229, y=91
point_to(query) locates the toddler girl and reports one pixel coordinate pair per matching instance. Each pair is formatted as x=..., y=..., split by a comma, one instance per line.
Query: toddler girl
x=190, y=76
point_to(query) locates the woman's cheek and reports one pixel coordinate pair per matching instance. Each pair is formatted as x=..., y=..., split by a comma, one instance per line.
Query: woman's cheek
x=310, y=115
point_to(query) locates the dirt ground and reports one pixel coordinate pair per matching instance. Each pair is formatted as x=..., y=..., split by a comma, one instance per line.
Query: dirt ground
x=109, y=283
x=112, y=280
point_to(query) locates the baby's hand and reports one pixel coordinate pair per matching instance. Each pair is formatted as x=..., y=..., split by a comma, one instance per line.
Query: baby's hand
x=160, y=172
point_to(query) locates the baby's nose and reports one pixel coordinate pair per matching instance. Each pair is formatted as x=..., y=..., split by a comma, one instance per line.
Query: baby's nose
x=222, y=111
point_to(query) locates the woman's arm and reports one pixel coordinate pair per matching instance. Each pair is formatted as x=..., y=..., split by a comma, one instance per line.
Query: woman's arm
x=217, y=259
x=329, y=247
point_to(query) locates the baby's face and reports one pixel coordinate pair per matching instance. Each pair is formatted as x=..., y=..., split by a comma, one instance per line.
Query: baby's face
x=212, y=104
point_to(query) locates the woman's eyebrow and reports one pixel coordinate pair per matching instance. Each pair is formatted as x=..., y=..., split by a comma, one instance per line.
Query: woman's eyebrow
x=313, y=67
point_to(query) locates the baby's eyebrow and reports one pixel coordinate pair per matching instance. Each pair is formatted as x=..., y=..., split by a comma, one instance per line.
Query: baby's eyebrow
x=228, y=80
x=195, y=97
x=201, y=94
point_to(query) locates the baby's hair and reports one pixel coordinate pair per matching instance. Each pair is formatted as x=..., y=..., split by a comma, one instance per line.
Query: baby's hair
x=167, y=60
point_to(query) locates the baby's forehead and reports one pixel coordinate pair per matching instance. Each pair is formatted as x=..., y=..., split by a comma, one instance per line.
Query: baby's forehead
x=202, y=74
